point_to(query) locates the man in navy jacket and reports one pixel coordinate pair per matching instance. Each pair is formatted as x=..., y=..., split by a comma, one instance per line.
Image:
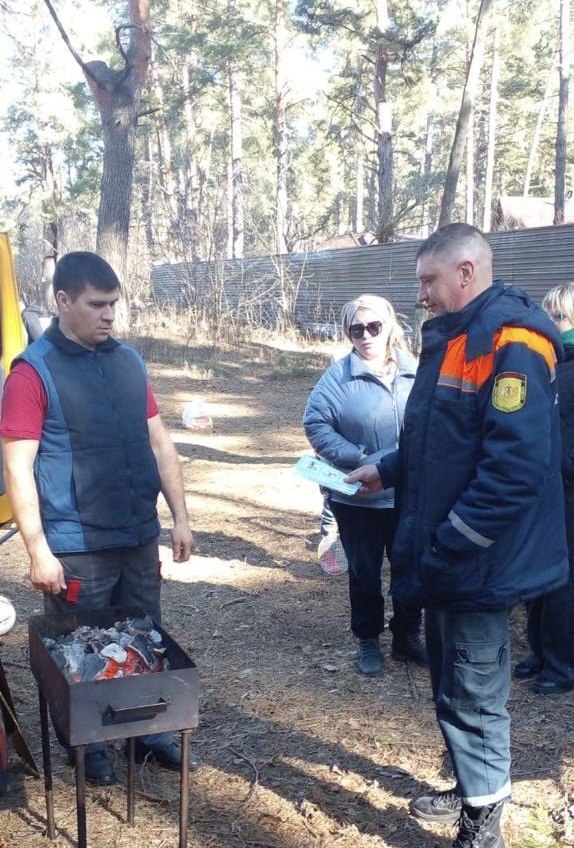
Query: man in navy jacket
x=481, y=516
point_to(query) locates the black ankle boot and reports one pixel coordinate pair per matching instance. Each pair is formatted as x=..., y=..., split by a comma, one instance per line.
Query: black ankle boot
x=409, y=648
x=480, y=827
x=370, y=659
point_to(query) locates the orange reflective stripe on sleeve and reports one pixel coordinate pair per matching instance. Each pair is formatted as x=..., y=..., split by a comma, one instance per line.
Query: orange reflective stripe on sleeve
x=468, y=377
x=535, y=341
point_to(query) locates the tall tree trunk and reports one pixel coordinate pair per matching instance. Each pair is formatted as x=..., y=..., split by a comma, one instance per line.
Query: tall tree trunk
x=384, y=131
x=562, y=129
x=147, y=205
x=167, y=175
x=468, y=98
x=491, y=144
x=429, y=142
x=236, y=146
x=50, y=206
x=191, y=191
x=539, y=125
x=470, y=170
x=358, y=225
x=281, y=146
x=426, y=172
x=117, y=93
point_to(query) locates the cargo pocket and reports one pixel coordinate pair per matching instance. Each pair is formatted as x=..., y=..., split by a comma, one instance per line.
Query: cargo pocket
x=476, y=674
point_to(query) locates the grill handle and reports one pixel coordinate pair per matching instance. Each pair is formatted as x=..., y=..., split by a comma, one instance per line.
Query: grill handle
x=113, y=715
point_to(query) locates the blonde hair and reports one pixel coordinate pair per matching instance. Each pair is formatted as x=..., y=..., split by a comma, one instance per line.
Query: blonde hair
x=383, y=308
x=560, y=301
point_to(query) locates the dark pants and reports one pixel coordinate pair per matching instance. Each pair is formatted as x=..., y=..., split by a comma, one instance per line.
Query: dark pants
x=551, y=621
x=117, y=577
x=366, y=534
x=469, y=659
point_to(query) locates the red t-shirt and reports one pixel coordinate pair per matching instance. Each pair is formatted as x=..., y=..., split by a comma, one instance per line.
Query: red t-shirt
x=24, y=404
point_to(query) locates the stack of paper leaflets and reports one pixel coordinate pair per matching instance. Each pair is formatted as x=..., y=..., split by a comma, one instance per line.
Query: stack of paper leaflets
x=320, y=472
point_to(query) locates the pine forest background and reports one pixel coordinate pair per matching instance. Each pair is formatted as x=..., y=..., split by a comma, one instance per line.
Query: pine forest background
x=186, y=131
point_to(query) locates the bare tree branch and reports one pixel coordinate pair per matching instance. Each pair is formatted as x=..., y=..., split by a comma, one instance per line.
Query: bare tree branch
x=68, y=43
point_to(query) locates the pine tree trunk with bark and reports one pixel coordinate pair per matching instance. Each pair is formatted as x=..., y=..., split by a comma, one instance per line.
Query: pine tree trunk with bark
x=117, y=94
x=562, y=129
x=464, y=117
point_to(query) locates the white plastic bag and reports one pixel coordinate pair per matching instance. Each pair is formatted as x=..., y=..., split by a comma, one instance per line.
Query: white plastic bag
x=195, y=415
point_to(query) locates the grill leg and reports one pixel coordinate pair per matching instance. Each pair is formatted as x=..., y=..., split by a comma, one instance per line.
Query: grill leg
x=47, y=763
x=130, y=786
x=79, y=755
x=184, y=789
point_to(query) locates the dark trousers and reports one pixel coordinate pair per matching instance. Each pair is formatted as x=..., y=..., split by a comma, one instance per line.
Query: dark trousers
x=550, y=626
x=116, y=577
x=366, y=534
x=469, y=660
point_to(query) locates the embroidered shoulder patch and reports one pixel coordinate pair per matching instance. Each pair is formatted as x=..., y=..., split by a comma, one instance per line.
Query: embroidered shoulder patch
x=509, y=391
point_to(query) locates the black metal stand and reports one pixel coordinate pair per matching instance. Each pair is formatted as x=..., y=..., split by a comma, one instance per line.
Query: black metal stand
x=79, y=756
x=47, y=762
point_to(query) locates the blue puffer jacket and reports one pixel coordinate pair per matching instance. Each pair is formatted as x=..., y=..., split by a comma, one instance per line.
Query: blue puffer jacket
x=95, y=470
x=353, y=419
x=478, y=468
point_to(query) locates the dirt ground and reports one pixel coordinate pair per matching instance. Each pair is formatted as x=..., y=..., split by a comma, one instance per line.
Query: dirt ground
x=297, y=750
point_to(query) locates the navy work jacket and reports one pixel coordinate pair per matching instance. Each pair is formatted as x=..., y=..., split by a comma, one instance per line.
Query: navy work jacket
x=477, y=474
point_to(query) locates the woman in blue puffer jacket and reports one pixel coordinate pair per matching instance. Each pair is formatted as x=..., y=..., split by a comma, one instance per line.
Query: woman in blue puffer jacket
x=353, y=417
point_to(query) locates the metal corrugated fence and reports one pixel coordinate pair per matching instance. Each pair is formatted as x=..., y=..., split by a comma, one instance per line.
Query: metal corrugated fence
x=320, y=283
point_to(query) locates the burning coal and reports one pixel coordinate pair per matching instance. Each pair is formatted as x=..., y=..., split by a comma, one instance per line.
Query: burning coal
x=129, y=647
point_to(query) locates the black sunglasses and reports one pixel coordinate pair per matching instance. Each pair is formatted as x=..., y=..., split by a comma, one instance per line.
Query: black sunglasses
x=357, y=331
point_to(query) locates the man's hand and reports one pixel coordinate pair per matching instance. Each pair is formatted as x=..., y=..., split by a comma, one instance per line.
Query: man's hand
x=181, y=542
x=47, y=574
x=368, y=476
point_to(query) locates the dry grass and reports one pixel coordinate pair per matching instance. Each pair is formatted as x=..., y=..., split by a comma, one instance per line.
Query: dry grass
x=297, y=750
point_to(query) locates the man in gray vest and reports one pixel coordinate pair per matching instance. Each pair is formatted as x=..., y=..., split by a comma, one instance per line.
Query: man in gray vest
x=86, y=455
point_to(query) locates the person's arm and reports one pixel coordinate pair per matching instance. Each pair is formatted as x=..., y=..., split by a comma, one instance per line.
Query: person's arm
x=374, y=477
x=369, y=477
x=172, y=488
x=515, y=447
x=320, y=422
x=46, y=571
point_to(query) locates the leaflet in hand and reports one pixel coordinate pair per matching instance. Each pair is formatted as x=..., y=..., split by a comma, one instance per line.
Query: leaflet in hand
x=325, y=475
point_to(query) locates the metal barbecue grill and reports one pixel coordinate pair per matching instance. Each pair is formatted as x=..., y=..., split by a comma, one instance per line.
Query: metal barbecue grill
x=118, y=708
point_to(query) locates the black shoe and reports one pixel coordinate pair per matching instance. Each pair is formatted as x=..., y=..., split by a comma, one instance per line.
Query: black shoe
x=440, y=807
x=166, y=755
x=529, y=667
x=480, y=827
x=409, y=649
x=545, y=686
x=370, y=659
x=99, y=769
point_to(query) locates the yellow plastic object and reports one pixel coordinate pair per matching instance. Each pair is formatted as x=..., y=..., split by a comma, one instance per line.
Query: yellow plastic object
x=12, y=334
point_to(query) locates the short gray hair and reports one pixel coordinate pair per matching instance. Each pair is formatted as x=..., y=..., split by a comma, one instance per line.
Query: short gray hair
x=452, y=237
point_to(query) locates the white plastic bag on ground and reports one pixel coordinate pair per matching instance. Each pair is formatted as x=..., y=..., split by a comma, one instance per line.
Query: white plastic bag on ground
x=195, y=415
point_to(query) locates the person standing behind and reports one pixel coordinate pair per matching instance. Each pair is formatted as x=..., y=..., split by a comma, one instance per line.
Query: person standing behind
x=354, y=415
x=551, y=617
x=85, y=457
x=481, y=524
